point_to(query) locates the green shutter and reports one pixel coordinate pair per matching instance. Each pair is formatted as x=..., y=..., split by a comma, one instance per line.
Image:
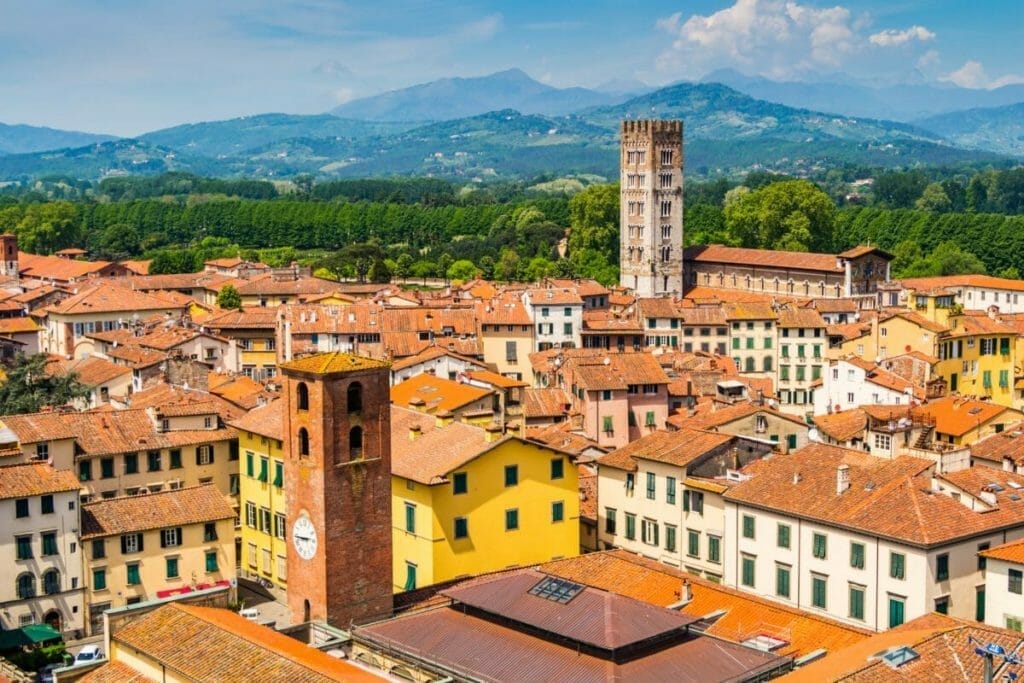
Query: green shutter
x=714, y=549
x=630, y=527
x=211, y=561
x=895, y=612
x=748, y=526
x=278, y=474
x=856, y=603
x=748, y=572
x=264, y=466
x=818, y=592
x=783, y=536
x=857, y=555
x=693, y=543
x=782, y=582
x=607, y=423
x=99, y=579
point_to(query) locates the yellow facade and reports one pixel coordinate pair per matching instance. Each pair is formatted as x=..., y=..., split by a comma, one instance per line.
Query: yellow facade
x=264, y=548
x=893, y=336
x=936, y=306
x=425, y=547
x=978, y=365
x=257, y=354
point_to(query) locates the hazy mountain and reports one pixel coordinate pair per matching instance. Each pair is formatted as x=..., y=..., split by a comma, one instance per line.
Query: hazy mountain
x=20, y=139
x=453, y=98
x=843, y=95
x=235, y=136
x=999, y=129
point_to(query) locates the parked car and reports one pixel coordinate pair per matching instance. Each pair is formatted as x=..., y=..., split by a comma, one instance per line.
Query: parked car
x=89, y=653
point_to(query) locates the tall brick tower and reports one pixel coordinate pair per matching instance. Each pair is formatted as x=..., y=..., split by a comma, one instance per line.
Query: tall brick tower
x=651, y=208
x=337, y=426
x=9, y=259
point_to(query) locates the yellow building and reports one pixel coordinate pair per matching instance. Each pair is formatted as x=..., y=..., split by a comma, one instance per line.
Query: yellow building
x=156, y=545
x=960, y=421
x=976, y=357
x=253, y=333
x=264, y=548
x=506, y=336
x=892, y=333
x=467, y=500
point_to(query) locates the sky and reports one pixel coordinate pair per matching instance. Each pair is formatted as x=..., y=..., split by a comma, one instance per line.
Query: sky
x=125, y=67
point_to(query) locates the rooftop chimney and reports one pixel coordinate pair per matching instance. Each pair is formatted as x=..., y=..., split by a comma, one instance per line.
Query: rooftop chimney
x=493, y=432
x=444, y=418
x=414, y=431
x=842, y=479
x=796, y=477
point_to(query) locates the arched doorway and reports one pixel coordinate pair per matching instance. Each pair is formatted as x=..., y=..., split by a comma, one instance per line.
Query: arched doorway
x=53, y=620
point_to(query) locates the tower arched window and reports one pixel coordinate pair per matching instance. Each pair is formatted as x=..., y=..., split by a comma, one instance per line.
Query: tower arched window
x=301, y=396
x=51, y=582
x=26, y=586
x=354, y=400
x=355, y=442
x=303, y=442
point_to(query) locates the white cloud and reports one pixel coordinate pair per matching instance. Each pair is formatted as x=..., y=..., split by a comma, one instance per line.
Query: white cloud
x=892, y=37
x=972, y=75
x=929, y=58
x=775, y=38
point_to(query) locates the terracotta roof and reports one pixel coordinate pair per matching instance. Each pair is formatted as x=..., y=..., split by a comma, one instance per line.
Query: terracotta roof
x=114, y=672
x=913, y=317
x=35, y=479
x=137, y=266
x=765, y=258
x=800, y=317
x=1007, y=552
x=494, y=379
x=588, y=492
x=678, y=448
x=876, y=374
x=247, y=318
x=506, y=311
x=658, y=307
x=437, y=451
x=269, y=286
x=712, y=296
x=171, y=400
x=958, y=415
x=428, y=354
x=945, y=281
x=750, y=310
x=331, y=363
x=969, y=325
x=1007, y=444
x=110, y=298
x=842, y=425
x=168, y=508
x=848, y=331
x=57, y=268
x=833, y=305
x=886, y=498
x=211, y=645
x=863, y=250
x=615, y=370
x=544, y=402
x=583, y=287
x=745, y=615
x=438, y=394
x=17, y=325
x=240, y=390
x=945, y=648
x=92, y=371
x=605, y=321
x=266, y=420
x=553, y=296
x=712, y=414
x=560, y=435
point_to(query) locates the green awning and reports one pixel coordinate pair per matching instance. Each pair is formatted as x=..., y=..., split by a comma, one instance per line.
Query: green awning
x=33, y=634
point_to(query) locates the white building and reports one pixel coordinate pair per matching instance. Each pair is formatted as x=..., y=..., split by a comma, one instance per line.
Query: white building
x=557, y=316
x=1004, y=586
x=41, y=576
x=973, y=292
x=851, y=381
x=869, y=541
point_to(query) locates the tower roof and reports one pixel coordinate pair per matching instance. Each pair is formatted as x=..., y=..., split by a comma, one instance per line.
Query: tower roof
x=332, y=363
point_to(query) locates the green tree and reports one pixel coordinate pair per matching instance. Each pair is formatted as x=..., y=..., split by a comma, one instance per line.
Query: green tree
x=228, y=298
x=119, y=240
x=1010, y=273
x=934, y=200
x=444, y=262
x=946, y=259
x=379, y=271
x=899, y=189
x=31, y=386
x=46, y=228
x=507, y=267
x=904, y=255
x=463, y=270
x=539, y=268
x=403, y=266
x=794, y=215
x=594, y=221
x=486, y=267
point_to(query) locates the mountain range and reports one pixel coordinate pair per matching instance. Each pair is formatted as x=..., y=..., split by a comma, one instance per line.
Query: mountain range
x=509, y=125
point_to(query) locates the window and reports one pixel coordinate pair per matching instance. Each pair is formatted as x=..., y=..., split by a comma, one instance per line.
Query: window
x=460, y=483
x=279, y=525
x=692, y=543
x=42, y=451
x=24, y=545
x=670, y=490
x=170, y=538
x=783, y=536
x=131, y=543
x=21, y=507
x=652, y=483
x=265, y=520
x=782, y=573
x=714, y=549
x=747, y=571
x=511, y=352
x=211, y=561
x=410, y=518
x=209, y=532
x=609, y=521
x=204, y=455
x=1014, y=581
x=558, y=468
x=897, y=568
x=857, y=602
x=355, y=442
x=250, y=464
x=99, y=549
x=172, y=567
x=511, y=475
x=649, y=532
x=606, y=424
x=153, y=461
x=942, y=567
x=410, y=576
x=982, y=547
x=49, y=543
x=278, y=473
x=301, y=396
x=250, y=515
x=857, y=555
x=133, y=574
x=819, y=591
x=557, y=511
x=234, y=485
x=748, y=526
x=26, y=586
x=631, y=527
x=303, y=441
x=99, y=579
x=820, y=542
x=85, y=470
x=264, y=469
x=511, y=519
x=942, y=605
x=461, y=527
x=896, y=608
x=131, y=463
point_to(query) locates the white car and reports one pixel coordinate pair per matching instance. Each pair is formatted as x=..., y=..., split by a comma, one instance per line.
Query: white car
x=89, y=653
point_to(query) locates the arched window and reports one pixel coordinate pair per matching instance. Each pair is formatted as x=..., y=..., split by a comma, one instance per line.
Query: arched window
x=26, y=586
x=301, y=396
x=303, y=442
x=354, y=402
x=767, y=363
x=749, y=364
x=51, y=582
x=355, y=442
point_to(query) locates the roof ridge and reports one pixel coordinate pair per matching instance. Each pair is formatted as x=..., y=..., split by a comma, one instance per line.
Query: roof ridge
x=126, y=496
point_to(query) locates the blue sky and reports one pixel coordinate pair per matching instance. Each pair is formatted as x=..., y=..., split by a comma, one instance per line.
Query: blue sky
x=128, y=66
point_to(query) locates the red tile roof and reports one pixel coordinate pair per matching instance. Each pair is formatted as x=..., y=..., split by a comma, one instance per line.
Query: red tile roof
x=168, y=508
x=788, y=260
x=679, y=448
x=436, y=393
x=35, y=479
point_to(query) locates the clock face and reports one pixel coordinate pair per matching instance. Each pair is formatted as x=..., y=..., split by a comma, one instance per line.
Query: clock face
x=304, y=537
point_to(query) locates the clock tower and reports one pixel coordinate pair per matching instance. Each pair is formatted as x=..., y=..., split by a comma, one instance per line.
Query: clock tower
x=337, y=478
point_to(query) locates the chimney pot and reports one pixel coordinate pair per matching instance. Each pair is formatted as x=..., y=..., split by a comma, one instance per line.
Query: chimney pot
x=842, y=479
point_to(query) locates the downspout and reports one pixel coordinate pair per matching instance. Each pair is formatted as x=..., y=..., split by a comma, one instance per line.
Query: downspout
x=799, y=537
x=878, y=562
